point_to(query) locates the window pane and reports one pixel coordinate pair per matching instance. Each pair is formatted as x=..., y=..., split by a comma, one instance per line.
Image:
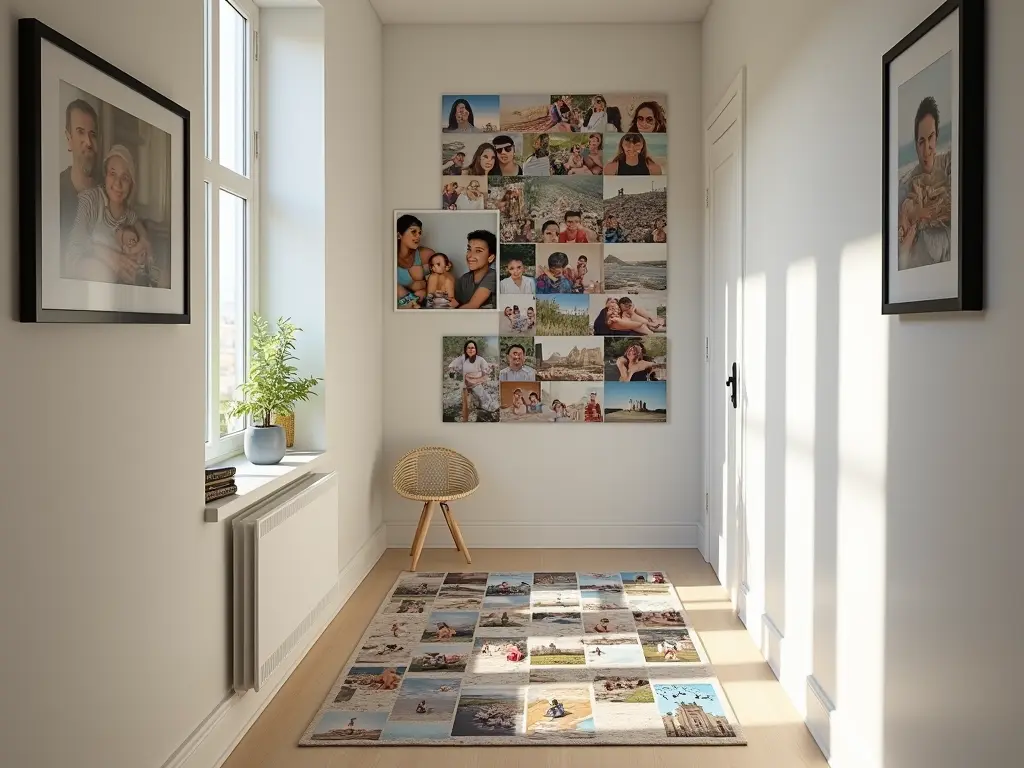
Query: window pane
x=233, y=83
x=233, y=311
x=208, y=243
x=207, y=82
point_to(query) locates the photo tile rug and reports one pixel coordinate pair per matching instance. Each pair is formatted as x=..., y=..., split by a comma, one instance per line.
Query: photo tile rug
x=522, y=658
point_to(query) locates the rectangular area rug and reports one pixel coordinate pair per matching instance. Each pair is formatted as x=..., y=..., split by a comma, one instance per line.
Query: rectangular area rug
x=527, y=659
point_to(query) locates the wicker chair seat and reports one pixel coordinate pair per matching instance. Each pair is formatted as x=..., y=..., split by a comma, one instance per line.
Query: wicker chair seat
x=435, y=474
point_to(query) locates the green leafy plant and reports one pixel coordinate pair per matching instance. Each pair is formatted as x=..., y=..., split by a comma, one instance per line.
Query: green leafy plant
x=272, y=385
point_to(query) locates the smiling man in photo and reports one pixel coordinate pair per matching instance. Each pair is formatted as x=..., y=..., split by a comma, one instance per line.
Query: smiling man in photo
x=477, y=289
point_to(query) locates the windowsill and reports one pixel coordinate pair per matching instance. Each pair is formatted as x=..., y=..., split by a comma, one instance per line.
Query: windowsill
x=256, y=482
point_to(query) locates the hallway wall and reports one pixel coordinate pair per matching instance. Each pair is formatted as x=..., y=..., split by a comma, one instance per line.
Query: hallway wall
x=538, y=489
x=883, y=503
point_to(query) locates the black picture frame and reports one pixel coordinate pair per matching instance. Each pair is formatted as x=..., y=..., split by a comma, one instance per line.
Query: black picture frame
x=968, y=210
x=33, y=137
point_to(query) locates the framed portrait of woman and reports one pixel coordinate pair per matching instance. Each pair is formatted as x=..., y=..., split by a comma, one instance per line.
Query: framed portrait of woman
x=103, y=189
x=933, y=163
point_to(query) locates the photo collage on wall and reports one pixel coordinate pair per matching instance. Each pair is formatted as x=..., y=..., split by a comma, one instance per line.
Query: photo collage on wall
x=582, y=266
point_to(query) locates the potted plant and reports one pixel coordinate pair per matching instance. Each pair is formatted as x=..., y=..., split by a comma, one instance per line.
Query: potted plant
x=272, y=387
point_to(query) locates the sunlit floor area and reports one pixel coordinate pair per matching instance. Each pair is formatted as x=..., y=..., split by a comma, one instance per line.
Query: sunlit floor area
x=777, y=736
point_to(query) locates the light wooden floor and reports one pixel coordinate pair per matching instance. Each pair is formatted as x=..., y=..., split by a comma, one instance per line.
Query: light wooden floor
x=777, y=737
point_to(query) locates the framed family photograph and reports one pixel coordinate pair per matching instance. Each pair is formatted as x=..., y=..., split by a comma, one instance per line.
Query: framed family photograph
x=103, y=189
x=446, y=260
x=933, y=134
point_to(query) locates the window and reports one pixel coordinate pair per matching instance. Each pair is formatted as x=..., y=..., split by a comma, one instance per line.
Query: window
x=231, y=154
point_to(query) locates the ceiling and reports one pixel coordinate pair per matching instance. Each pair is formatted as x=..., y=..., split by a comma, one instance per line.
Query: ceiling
x=539, y=11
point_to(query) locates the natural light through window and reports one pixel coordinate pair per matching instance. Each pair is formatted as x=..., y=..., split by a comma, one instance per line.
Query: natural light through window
x=231, y=138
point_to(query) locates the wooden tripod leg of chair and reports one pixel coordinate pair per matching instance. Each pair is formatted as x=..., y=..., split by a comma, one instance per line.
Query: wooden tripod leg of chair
x=417, y=547
x=453, y=526
x=419, y=527
x=448, y=519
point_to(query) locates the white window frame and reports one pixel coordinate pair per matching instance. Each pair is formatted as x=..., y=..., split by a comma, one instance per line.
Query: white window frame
x=217, y=177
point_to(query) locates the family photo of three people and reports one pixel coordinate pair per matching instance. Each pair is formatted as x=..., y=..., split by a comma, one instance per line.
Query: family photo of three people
x=115, y=195
x=457, y=270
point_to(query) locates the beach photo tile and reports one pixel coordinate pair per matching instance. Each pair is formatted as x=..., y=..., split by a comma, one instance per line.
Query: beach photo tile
x=524, y=112
x=490, y=711
x=426, y=699
x=559, y=712
x=608, y=622
x=555, y=598
x=450, y=627
x=339, y=725
x=502, y=611
x=499, y=655
x=613, y=651
x=369, y=687
x=418, y=585
x=658, y=619
x=459, y=603
x=603, y=600
x=602, y=582
x=634, y=269
x=391, y=640
x=509, y=584
x=554, y=580
x=436, y=658
x=556, y=622
x=413, y=605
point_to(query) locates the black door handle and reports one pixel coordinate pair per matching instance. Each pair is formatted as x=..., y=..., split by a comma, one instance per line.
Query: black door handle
x=733, y=381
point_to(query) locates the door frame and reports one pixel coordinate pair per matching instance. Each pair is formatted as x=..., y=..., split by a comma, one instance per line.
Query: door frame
x=734, y=98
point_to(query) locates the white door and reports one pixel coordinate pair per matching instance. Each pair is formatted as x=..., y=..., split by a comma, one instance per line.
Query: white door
x=724, y=226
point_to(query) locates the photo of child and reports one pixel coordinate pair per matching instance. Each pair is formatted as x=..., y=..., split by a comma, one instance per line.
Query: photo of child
x=518, y=270
x=518, y=316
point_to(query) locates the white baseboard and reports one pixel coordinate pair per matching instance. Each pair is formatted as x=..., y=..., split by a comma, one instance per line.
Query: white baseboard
x=212, y=742
x=820, y=714
x=772, y=641
x=581, y=535
x=701, y=534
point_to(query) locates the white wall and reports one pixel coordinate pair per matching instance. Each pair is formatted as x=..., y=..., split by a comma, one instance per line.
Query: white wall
x=537, y=488
x=291, y=195
x=115, y=592
x=890, y=500
x=114, y=589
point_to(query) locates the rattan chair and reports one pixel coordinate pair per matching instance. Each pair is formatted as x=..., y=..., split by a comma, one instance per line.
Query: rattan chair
x=435, y=475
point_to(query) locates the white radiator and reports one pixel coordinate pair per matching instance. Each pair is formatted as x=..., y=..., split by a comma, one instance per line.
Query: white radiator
x=285, y=574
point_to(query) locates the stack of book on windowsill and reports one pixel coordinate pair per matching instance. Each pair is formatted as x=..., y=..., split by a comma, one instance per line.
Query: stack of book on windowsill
x=220, y=482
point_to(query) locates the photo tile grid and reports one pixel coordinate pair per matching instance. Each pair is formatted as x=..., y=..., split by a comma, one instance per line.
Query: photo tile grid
x=559, y=674
x=583, y=254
